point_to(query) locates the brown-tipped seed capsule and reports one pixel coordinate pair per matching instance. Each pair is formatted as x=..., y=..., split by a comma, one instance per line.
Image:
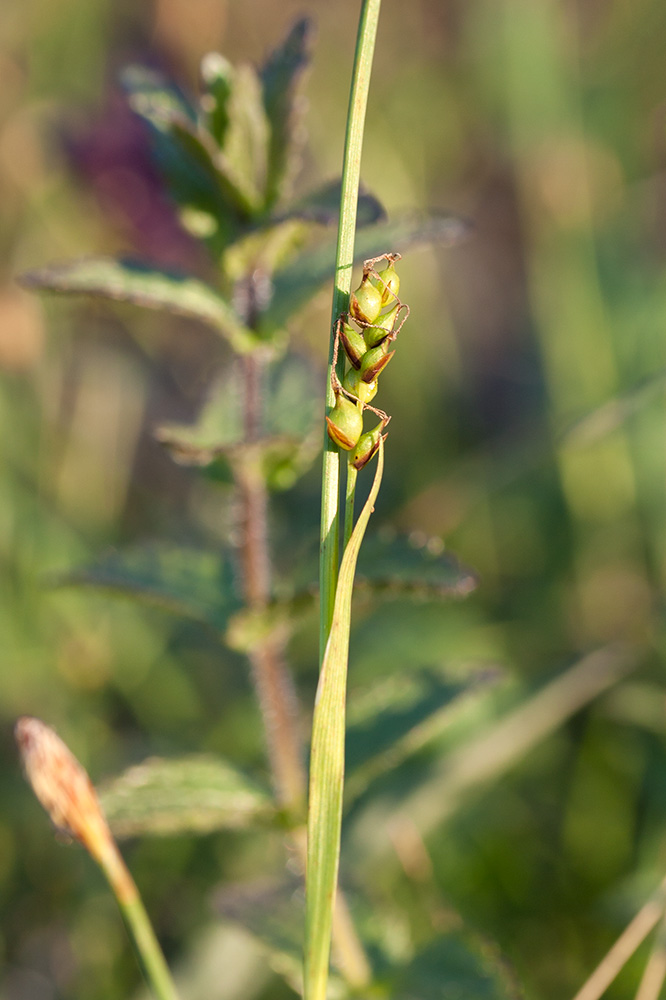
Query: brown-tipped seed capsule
x=345, y=423
x=388, y=283
x=374, y=335
x=353, y=343
x=368, y=446
x=363, y=390
x=366, y=302
x=375, y=361
x=62, y=786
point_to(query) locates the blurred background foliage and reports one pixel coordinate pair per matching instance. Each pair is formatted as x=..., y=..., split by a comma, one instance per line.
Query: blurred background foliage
x=528, y=434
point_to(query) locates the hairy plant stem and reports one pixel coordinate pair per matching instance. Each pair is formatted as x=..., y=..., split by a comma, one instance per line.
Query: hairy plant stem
x=272, y=680
x=351, y=176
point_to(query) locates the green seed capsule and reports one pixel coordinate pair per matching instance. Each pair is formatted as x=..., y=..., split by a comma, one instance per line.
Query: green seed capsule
x=375, y=334
x=363, y=390
x=345, y=423
x=353, y=343
x=367, y=447
x=365, y=303
x=388, y=283
x=375, y=361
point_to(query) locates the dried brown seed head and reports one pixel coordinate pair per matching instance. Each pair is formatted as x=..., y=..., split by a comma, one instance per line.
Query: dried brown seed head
x=62, y=785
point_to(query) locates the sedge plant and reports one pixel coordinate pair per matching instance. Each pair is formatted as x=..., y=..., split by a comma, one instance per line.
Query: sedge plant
x=229, y=157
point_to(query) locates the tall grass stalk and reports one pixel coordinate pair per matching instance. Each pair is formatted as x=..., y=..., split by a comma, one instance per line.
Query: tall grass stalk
x=327, y=759
x=351, y=176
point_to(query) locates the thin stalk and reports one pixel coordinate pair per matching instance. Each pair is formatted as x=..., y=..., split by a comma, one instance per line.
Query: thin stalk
x=631, y=938
x=138, y=925
x=272, y=679
x=65, y=790
x=351, y=175
x=655, y=971
x=349, y=503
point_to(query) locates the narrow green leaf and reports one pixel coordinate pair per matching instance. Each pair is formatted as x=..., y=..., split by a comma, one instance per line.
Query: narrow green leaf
x=280, y=77
x=398, y=717
x=143, y=285
x=614, y=412
x=490, y=752
x=186, y=582
x=195, y=794
x=294, y=286
x=458, y=965
x=327, y=762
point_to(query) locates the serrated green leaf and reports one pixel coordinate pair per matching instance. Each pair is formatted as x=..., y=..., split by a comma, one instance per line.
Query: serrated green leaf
x=185, y=156
x=195, y=794
x=294, y=286
x=458, y=966
x=323, y=207
x=396, y=718
x=154, y=96
x=144, y=285
x=272, y=911
x=280, y=77
x=389, y=567
x=186, y=582
x=293, y=437
x=243, y=158
x=397, y=565
x=279, y=461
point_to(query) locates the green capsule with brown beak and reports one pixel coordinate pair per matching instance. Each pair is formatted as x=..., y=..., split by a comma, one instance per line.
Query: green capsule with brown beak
x=368, y=446
x=365, y=303
x=375, y=361
x=374, y=335
x=345, y=423
x=387, y=281
x=353, y=343
x=359, y=387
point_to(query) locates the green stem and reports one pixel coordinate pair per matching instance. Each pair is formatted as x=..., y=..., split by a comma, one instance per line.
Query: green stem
x=148, y=950
x=349, y=503
x=351, y=175
x=327, y=766
x=138, y=924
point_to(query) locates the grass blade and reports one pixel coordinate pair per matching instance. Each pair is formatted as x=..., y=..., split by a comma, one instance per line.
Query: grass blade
x=327, y=766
